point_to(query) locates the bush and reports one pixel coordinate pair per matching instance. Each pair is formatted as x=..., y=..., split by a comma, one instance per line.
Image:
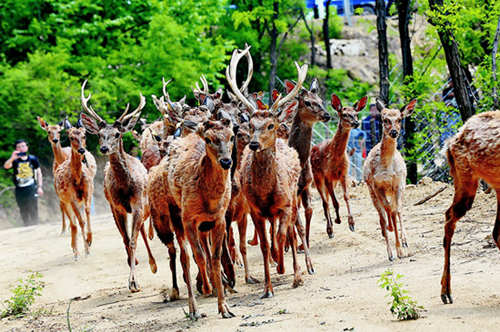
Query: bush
x=23, y=296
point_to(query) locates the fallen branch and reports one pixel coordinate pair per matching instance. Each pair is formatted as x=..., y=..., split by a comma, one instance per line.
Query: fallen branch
x=422, y=201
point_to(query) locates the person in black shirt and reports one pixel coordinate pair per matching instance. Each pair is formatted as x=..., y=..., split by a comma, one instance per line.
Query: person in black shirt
x=27, y=190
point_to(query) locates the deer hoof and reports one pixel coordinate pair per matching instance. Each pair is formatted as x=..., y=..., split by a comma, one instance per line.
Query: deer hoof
x=194, y=315
x=446, y=298
x=267, y=295
x=134, y=286
x=351, y=227
x=63, y=232
x=153, y=267
x=338, y=221
x=228, y=314
x=287, y=248
x=405, y=244
x=331, y=235
x=77, y=255
x=311, y=270
x=251, y=280
x=297, y=282
x=252, y=242
x=174, y=294
x=391, y=257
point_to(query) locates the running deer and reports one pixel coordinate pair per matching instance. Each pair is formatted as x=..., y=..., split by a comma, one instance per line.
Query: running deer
x=330, y=162
x=125, y=180
x=74, y=184
x=385, y=174
x=189, y=193
x=270, y=172
x=472, y=155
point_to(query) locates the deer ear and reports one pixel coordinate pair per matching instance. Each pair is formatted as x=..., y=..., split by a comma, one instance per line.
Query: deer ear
x=261, y=106
x=360, y=104
x=227, y=123
x=209, y=103
x=130, y=124
x=42, y=123
x=314, y=86
x=336, y=103
x=244, y=118
x=89, y=124
x=201, y=98
x=275, y=95
x=408, y=109
x=67, y=124
x=287, y=113
x=219, y=93
x=380, y=104
x=231, y=96
x=183, y=100
x=79, y=123
x=252, y=101
x=289, y=86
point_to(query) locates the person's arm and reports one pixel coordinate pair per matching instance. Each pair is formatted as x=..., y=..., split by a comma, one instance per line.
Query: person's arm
x=40, y=181
x=8, y=163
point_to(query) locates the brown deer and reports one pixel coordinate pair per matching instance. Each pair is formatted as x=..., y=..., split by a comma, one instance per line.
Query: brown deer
x=125, y=180
x=269, y=174
x=330, y=162
x=385, y=174
x=74, y=184
x=189, y=193
x=472, y=154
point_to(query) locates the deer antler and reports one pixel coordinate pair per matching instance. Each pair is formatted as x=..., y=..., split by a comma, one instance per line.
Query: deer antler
x=250, y=70
x=89, y=109
x=302, y=73
x=197, y=91
x=165, y=93
x=139, y=108
x=231, y=75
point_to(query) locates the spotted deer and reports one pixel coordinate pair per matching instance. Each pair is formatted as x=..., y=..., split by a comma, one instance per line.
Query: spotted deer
x=74, y=184
x=125, y=180
x=330, y=162
x=189, y=193
x=385, y=174
x=472, y=154
x=269, y=174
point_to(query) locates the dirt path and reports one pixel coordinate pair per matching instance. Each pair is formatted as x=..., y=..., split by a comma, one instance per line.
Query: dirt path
x=341, y=296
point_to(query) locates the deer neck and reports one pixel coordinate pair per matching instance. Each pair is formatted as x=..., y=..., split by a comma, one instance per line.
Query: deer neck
x=300, y=138
x=119, y=165
x=76, y=165
x=264, y=167
x=387, y=149
x=212, y=178
x=339, y=141
x=58, y=154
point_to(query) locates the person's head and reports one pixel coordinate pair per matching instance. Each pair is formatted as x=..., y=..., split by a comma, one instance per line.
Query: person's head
x=21, y=145
x=373, y=110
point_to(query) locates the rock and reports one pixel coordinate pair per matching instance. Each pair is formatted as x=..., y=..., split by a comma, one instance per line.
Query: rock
x=426, y=180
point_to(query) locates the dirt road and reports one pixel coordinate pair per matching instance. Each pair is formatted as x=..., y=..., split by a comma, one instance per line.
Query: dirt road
x=342, y=296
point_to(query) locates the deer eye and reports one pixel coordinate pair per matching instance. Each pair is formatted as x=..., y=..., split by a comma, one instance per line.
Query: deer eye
x=307, y=103
x=117, y=135
x=270, y=127
x=240, y=135
x=208, y=141
x=399, y=120
x=232, y=139
x=386, y=121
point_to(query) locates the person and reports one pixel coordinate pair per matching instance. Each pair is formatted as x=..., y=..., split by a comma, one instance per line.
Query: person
x=355, y=148
x=27, y=189
x=366, y=127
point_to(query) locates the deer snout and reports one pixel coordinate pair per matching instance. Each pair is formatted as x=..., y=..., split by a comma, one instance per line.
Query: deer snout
x=393, y=133
x=225, y=163
x=326, y=117
x=81, y=150
x=355, y=124
x=55, y=140
x=104, y=149
x=254, y=146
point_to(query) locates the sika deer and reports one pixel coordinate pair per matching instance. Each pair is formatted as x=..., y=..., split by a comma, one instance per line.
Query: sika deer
x=190, y=191
x=472, y=155
x=385, y=174
x=125, y=180
x=269, y=173
x=330, y=162
x=74, y=184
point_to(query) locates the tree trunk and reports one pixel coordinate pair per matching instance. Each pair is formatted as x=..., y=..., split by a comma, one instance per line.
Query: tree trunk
x=273, y=54
x=383, y=54
x=494, y=66
x=311, y=34
x=326, y=35
x=450, y=47
x=404, y=36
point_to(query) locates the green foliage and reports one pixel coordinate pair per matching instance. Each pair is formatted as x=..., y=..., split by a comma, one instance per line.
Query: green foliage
x=402, y=306
x=23, y=295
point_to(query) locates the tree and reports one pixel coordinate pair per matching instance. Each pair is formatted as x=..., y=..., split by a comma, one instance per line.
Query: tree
x=326, y=35
x=383, y=54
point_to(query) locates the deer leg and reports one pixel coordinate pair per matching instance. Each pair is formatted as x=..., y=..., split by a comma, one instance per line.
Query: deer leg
x=496, y=229
x=331, y=190
x=280, y=239
x=297, y=278
x=394, y=222
x=465, y=191
x=399, y=199
x=232, y=248
x=194, y=238
x=350, y=218
x=272, y=236
x=152, y=261
x=63, y=212
x=74, y=232
x=323, y=193
x=87, y=214
x=302, y=234
x=305, y=196
x=193, y=306
x=260, y=226
x=151, y=233
x=137, y=225
x=76, y=211
x=227, y=260
x=242, y=230
x=381, y=212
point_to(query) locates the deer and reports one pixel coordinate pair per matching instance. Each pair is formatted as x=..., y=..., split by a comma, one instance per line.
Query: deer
x=330, y=162
x=74, y=184
x=270, y=172
x=189, y=194
x=472, y=155
x=125, y=179
x=384, y=172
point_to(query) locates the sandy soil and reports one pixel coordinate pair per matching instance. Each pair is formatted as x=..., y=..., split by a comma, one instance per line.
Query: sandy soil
x=342, y=296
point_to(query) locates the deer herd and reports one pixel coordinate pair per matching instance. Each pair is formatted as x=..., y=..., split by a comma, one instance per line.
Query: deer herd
x=204, y=167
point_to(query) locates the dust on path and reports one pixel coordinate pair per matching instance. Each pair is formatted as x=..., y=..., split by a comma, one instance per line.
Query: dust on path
x=342, y=295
